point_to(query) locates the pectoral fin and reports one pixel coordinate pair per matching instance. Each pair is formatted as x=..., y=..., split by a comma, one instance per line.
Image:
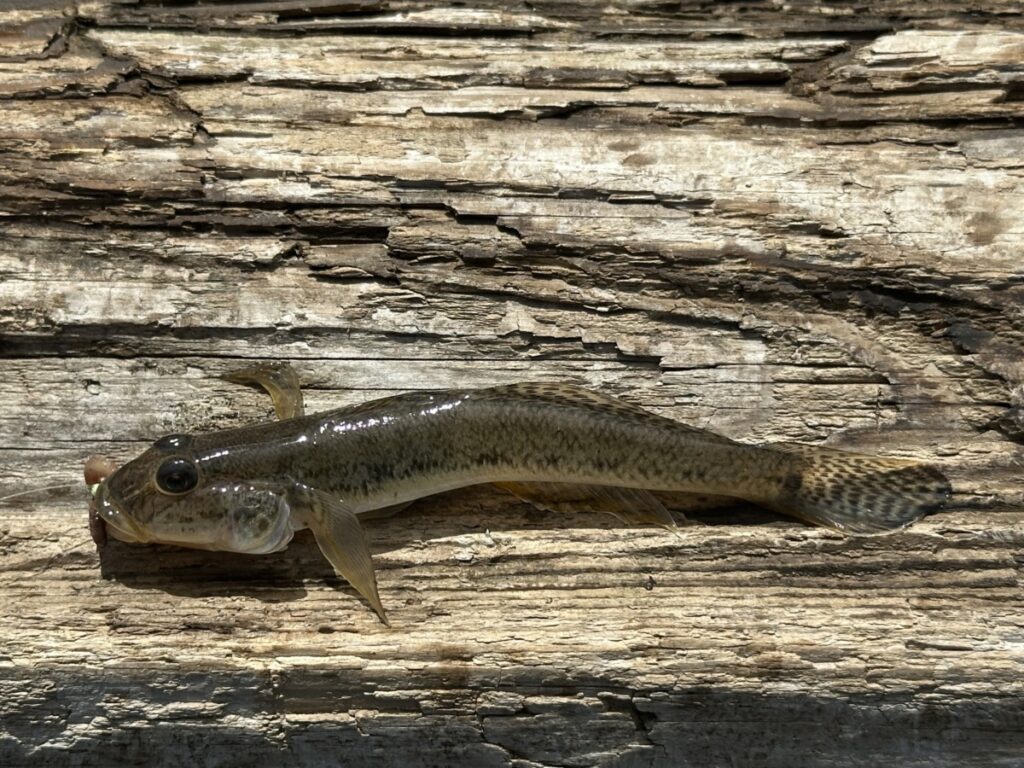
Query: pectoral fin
x=631, y=505
x=279, y=380
x=341, y=538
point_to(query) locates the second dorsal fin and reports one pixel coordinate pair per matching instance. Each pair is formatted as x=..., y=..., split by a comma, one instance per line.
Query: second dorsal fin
x=578, y=396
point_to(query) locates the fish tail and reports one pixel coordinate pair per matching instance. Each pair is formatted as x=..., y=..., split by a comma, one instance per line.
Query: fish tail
x=859, y=494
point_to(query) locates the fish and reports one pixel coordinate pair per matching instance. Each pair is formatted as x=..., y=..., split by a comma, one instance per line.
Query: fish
x=249, y=489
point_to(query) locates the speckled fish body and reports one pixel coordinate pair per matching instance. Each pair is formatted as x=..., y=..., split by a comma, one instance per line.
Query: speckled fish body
x=249, y=489
x=403, y=448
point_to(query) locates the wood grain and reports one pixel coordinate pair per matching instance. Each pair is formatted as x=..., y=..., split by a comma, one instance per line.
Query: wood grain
x=796, y=222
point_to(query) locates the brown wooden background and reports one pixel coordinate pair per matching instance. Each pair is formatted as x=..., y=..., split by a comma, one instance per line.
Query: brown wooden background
x=797, y=222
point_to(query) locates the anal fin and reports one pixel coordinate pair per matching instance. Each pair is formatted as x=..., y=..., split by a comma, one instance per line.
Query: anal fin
x=383, y=512
x=631, y=505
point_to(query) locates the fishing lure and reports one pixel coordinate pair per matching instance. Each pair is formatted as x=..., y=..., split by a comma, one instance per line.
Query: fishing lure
x=249, y=489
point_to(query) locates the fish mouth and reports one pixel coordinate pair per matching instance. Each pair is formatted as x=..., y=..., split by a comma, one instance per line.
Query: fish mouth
x=106, y=514
x=97, y=470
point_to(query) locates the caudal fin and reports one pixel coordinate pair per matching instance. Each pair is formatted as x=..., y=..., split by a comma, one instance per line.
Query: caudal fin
x=860, y=494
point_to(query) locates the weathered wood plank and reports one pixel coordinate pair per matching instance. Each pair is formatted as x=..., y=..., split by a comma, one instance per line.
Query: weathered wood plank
x=714, y=641
x=368, y=61
x=795, y=222
x=625, y=17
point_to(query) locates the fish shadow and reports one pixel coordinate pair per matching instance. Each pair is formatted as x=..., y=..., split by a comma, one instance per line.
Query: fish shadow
x=195, y=573
x=283, y=576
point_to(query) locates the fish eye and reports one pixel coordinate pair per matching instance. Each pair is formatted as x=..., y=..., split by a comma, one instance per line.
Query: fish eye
x=177, y=475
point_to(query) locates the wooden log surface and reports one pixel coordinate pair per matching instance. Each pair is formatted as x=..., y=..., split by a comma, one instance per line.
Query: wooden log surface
x=781, y=222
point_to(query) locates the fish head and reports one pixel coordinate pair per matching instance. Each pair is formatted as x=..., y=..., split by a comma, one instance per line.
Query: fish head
x=163, y=497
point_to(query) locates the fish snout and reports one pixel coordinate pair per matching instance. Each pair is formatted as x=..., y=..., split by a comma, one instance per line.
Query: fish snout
x=97, y=469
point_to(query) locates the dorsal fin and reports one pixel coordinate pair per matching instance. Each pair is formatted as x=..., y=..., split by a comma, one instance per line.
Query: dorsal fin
x=572, y=395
